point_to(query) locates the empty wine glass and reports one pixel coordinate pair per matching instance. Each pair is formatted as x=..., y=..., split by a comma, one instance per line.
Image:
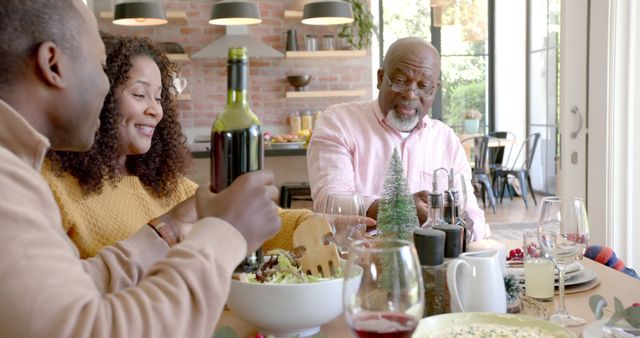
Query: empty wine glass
x=389, y=300
x=346, y=215
x=563, y=235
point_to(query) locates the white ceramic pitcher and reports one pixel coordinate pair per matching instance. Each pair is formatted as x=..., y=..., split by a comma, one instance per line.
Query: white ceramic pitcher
x=476, y=284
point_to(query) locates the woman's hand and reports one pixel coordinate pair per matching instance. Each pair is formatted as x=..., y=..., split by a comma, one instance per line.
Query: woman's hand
x=180, y=218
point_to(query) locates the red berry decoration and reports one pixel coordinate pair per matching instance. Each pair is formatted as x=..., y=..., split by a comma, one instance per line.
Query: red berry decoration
x=515, y=255
x=636, y=304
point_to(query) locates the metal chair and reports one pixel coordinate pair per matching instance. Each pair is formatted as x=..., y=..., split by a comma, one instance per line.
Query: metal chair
x=480, y=173
x=520, y=169
x=500, y=155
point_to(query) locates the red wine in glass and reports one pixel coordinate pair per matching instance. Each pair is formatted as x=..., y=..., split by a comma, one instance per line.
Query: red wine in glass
x=384, y=325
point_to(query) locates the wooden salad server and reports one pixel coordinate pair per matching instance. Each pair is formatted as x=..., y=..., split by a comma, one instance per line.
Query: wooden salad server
x=319, y=255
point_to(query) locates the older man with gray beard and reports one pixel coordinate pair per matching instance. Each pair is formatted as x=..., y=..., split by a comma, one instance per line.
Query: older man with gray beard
x=352, y=142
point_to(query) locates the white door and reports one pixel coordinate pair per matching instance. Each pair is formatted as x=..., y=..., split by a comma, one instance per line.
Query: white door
x=573, y=99
x=601, y=79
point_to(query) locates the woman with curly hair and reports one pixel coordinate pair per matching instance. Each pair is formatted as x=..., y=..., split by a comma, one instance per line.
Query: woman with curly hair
x=134, y=173
x=135, y=170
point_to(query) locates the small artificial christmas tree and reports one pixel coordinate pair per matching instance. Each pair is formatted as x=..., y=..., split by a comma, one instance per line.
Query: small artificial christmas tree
x=397, y=217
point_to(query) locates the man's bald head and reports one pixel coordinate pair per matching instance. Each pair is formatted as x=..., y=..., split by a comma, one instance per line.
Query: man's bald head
x=407, y=47
x=27, y=24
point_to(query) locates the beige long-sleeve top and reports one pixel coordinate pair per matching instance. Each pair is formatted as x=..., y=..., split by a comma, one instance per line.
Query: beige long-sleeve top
x=136, y=288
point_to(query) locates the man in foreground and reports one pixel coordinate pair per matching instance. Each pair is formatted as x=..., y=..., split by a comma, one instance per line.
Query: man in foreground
x=53, y=86
x=352, y=142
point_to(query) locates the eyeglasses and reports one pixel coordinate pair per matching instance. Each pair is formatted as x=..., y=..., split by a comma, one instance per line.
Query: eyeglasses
x=421, y=91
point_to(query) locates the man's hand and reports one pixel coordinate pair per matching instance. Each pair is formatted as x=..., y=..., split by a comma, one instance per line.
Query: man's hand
x=248, y=204
x=421, y=198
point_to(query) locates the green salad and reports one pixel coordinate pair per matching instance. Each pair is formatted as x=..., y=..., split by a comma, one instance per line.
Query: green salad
x=282, y=267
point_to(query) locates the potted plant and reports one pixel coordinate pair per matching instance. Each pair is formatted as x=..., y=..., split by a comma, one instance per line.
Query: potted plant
x=358, y=33
x=472, y=121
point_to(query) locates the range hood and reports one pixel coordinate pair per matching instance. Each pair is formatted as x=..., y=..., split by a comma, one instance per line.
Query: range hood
x=236, y=36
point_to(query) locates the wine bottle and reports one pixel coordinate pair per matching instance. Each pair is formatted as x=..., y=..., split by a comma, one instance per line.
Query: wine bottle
x=236, y=137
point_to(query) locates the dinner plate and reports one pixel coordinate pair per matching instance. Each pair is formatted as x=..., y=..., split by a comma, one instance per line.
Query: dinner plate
x=287, y=145
x=583, y=276
x=571, y=270
x=514, y=325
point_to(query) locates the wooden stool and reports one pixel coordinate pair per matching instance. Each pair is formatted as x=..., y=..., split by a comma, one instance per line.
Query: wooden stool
x=289, y=190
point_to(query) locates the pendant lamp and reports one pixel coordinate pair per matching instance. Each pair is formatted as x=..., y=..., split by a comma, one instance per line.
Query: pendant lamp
x=327, y=12
x=231, y=13
x=139, y=14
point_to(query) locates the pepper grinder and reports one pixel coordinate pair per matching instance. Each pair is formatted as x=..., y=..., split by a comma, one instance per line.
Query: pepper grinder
x=429, y=244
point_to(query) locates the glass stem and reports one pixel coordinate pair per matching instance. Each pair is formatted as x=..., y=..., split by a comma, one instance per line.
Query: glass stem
x=561, y=308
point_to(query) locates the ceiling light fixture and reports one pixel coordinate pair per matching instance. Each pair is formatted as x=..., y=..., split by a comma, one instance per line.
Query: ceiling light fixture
x=328, y=12
x=231, y=13
x=139, y=14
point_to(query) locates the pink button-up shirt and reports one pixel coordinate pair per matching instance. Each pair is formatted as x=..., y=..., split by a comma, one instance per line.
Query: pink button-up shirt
x=351, y=147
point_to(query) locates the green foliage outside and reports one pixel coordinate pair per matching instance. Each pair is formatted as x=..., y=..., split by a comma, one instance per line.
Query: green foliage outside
x=359, y=33
x=464, y=61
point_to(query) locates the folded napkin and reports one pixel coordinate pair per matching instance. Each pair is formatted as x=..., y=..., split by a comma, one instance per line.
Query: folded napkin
x=605, y=255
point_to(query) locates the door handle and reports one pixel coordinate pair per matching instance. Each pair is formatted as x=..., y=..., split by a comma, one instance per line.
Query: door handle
x=576, y=111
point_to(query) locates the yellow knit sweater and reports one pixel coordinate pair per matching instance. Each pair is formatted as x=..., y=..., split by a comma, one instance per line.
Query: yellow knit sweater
x=98, y=220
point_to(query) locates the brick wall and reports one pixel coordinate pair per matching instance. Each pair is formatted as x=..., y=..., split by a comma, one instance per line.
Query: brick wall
x=268, y=84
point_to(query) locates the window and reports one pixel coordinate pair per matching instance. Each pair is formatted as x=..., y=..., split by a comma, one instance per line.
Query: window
x=459, y=30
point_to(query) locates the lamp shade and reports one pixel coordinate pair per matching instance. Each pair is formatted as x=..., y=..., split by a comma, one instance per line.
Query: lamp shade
x=324, y=13
x=230, y=13
x=139, y=14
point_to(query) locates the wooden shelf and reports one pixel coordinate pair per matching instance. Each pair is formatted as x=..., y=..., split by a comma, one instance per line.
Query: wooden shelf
x=293, y=14
x=325, y=53
x=178, y=57
x=184, y=97
x=173, y=16
x=327, y=93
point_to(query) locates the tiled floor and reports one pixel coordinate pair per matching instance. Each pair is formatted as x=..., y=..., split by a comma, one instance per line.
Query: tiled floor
x=511, y=219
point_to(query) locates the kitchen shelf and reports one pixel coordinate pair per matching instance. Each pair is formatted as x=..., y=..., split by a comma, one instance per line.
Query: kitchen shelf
x=289, y=14
x=327, y=93
x=184, y=97
x=325, y=53
x=179, y=57
x=173, y=16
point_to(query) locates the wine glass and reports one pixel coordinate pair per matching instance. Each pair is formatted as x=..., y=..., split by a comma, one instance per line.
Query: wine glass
x=389, y=301
x=346, y=215
x=563, y=235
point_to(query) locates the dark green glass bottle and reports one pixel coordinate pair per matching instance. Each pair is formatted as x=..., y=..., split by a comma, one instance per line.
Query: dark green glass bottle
x=236, y=137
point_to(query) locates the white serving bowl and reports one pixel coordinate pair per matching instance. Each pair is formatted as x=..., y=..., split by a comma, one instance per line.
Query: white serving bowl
x=289, y=310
